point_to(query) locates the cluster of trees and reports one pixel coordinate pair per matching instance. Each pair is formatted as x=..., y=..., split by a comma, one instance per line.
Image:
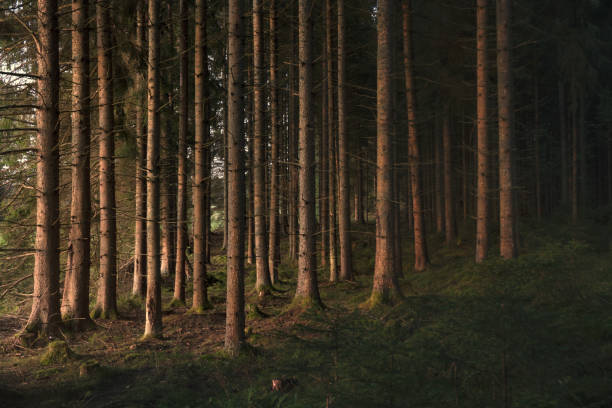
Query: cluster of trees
x=444, y=93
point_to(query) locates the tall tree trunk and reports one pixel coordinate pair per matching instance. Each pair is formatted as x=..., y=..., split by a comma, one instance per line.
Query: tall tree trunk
x=536, y=142
x=324, y=188
x=307, y=291
x=482, y=201
x=449, y=209
x=331, y=143
x=504, y=95
x=385, y=287
x=45, y=316
x=414, y=157
x=438, y=175
x=274, y=243
x=75, y=302
x=106, y=306
x=167, y=193
x=574, y=176
x=153, y=315
x=263, y=282
x=563, y=143
x=140, y=228
x=346, y=256
x=181, y=196
x=200, y=292
x=235, y=318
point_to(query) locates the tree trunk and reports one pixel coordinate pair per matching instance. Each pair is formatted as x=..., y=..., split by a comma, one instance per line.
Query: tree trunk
x=167, y=193
x=346, y=256
x=75, y=302
x=385, y=287
x=331, y=146
x=536, y=142
x=181, y=196
x=274, y=243
x=235, y=318
x=324, y=168
x=482, y=201
x=45, y=316
x=140, y=229
x=200, y=292
x=153, y=315
x=563, y=143
x=307, y=291
x=106, y=306
x=263, y=282
x=449, y=210
x=414, y=157
x=504, y=95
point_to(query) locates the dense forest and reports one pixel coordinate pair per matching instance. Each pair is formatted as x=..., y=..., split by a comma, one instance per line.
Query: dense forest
x=306, y=203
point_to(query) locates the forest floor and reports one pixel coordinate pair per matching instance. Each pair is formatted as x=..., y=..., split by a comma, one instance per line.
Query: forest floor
x=531, y=332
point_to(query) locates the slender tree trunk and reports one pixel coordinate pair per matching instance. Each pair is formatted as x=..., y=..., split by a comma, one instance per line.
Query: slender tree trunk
x=140, y=228
x=235, y=318
x=153, y=315
x=167, y=192
x=181, y=196
x=536, y=141
x=307, y=292
x=563, y=142
x=106, y=306
x=293, y=152
x=331, y=143
x=438, y=178
x=200, y=292
x=263, y=282
x=449, y=210
x=324, y=168
x=346, y=256
x=45, y=316
x=504, y=95
x=482, y=201
x=414, y=157
x=574, y=185
x=75, y=302
x=274, y=243
x=385, y=287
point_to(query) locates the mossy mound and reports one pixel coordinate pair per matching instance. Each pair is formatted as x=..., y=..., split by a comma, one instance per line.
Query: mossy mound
x=88, y=367
x=57, y=352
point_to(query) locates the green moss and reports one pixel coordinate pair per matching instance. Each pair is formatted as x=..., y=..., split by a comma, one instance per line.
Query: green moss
x=200, y=310
x=176, y=303
x=57, y=352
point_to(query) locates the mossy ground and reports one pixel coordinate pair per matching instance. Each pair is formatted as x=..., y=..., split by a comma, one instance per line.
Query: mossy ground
x=537, y=330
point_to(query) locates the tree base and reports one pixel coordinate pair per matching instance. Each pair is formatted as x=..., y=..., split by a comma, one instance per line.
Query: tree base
x=304, y=303
x=200, y=310
x=176, y=303
x=386, y=297
x=99, y=313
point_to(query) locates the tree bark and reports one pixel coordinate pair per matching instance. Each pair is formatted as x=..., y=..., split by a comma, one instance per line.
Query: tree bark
x=235, y=318
x=449, y=210
x=181, y=196
x=140, y=229
x=414, y=157
x=200, y=292
x=307, y=291
x=482, y=201
x=263, y=282
x=75, y=302
x=346, y=256
x=331, y=146
x=153, y=315
x=504, y=95
x=274, y=243
x=106, y=306
x=45, y=315
x=385, y=288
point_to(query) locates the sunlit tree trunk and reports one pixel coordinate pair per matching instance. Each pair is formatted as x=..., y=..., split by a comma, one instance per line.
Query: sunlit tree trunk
x=200, y=295
x=385, y=287
x=482, y=184
x=414, y=157
x=140, y=228
x=181, y=196
x=235, y=318
x=75, y=302
x=438, y=175
x=331, y=147
x=307, y=291
x=504, y=96
x=45, y=315
x=153, y=315
x=106, y=306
